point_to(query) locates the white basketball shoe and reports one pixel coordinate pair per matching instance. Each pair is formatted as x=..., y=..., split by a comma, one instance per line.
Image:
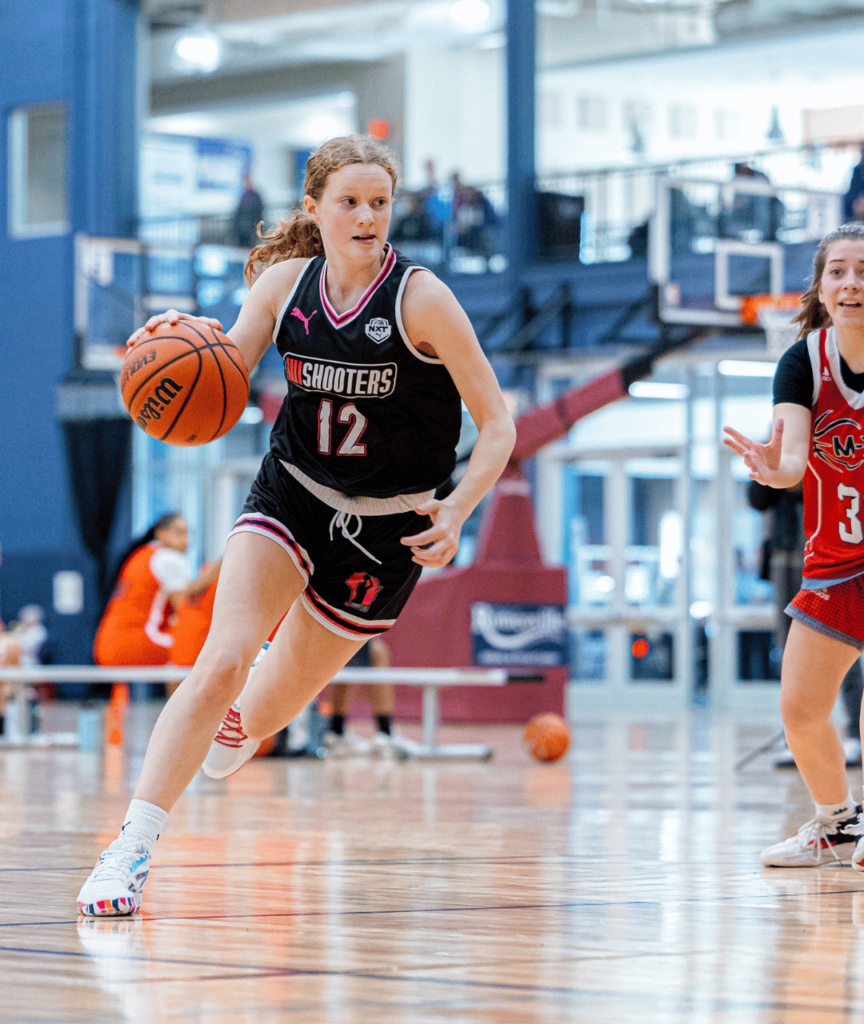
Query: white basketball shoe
x=114, y=886
x=231, y=747
x=818, y=841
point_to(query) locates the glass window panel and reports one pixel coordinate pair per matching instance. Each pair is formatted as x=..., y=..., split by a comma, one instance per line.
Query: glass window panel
x=758, y=659
x=37, y=171
x=588, y=655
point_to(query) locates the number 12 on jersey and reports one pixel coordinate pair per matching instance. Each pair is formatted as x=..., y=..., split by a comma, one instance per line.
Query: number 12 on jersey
x=350, y=445
x=852, y=533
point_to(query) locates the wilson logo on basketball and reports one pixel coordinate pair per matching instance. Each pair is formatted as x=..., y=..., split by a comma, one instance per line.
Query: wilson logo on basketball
x=132, y=368
x=163, y=395
x=354, y=380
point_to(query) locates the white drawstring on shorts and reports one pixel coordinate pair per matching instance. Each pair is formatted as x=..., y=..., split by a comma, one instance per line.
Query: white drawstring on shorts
x=340, y=521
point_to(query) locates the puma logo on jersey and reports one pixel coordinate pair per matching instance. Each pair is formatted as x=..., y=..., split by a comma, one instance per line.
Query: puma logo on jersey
x=296, y=312
x=378, y=329
x=355, y=380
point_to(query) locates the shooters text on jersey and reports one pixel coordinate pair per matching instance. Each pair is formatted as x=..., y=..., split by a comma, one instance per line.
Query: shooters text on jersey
x=366, y=413
x=834, y=480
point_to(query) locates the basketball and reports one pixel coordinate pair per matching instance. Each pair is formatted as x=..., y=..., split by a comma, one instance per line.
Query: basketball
x=185, y=384
x=546, y=737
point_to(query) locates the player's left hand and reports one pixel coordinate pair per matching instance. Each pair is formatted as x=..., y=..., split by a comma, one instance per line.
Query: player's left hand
x=442, y=537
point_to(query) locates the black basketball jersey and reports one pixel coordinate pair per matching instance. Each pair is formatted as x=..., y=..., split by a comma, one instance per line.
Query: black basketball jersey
x=366, y=413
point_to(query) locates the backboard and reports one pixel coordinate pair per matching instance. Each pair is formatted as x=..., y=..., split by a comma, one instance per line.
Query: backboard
x=713, y=242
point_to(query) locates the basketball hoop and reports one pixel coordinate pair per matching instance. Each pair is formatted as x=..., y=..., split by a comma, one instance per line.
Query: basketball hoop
x=774, y=314
x=780, y=331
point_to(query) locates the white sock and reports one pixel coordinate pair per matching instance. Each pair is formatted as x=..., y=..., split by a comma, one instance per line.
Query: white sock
x=144, y=821
x=837, y=812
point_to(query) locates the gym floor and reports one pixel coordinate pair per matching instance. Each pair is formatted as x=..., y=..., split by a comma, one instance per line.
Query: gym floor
x=621, y=884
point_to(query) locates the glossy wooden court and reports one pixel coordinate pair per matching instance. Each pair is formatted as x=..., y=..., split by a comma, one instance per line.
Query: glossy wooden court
x=619, y=885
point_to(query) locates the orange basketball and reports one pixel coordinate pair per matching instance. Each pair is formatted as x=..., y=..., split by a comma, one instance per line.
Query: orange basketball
x=185, y=384
x=546, y=737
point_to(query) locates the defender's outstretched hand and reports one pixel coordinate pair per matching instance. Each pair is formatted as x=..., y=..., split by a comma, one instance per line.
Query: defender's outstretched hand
x=763, y=460
x=170, y=316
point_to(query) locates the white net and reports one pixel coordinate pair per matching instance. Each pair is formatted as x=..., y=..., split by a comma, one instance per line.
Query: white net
x=780, y=331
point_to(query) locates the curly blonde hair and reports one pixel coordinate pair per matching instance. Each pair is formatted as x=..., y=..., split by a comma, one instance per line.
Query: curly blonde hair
x=299, y=234
x=813, y=313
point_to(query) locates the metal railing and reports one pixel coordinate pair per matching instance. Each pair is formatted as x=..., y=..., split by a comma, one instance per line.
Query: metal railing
x=618, y=202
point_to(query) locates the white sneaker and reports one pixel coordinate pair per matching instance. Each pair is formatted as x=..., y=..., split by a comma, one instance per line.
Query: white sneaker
x=114, y=885
x=816, y=842
x=346, y=745
x=389, y=747
x=231, y=747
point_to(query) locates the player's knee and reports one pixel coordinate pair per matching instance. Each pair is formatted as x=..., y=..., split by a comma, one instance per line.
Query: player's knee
x=222, y=668
x=798, y=713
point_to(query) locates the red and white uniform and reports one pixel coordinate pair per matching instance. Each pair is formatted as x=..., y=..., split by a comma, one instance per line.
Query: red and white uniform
x=834, y=480
x=134, y=628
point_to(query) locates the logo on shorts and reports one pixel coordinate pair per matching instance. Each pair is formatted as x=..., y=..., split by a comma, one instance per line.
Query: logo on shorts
x=378, y=329
x=364, y=589
x=823, y=594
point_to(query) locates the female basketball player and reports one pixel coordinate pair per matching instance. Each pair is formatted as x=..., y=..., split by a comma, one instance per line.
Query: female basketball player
x=378, y=358
x=818, y=435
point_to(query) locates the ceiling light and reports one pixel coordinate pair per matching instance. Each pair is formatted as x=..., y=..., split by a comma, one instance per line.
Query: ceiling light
x=470, y=14
x=657, y=389
x=199, y=49
x=745, y=368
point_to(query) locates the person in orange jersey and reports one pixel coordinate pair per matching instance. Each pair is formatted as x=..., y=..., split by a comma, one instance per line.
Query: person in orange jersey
x=152, y=580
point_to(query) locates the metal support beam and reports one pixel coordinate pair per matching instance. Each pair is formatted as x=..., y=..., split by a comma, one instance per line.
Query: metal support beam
x=521, y=73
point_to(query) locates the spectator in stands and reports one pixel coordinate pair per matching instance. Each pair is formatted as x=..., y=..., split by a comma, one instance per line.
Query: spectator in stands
x=414, y=225
x=747, y=216
x=31, y=633
x=436, y=208
x=473, y=217
x=853, y=201
x=10, y=654
x=248, y=215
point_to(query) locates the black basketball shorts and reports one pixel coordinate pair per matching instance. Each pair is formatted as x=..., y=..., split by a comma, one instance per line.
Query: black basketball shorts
x=358, y=575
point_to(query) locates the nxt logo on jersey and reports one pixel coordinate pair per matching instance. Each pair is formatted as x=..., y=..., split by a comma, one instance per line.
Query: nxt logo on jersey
x=351, y=379
x=835, y=445
x=364, y=589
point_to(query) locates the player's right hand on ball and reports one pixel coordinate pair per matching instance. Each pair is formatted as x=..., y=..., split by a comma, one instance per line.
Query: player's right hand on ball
x=170, y=316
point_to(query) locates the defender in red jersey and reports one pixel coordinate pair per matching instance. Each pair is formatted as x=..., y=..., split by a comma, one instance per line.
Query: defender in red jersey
x=818, y=435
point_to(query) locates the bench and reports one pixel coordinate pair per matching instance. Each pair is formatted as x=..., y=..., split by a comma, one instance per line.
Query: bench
x=430, y=679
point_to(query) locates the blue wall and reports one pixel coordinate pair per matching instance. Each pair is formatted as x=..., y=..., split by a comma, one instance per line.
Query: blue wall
x=82, y=53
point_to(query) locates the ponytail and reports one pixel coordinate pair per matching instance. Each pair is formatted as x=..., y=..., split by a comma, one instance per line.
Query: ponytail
x=297, y=236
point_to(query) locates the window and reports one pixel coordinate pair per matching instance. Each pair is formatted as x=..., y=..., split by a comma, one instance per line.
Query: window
x=37, y=171
x=683, y=121
x=592, y=113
